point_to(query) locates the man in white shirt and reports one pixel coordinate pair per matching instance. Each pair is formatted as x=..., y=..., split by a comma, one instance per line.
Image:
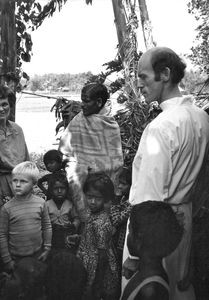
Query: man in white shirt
x=170, y=155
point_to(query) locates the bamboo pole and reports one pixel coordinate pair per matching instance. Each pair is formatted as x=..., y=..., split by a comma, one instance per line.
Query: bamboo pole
x=146, y=25
x=120, y=23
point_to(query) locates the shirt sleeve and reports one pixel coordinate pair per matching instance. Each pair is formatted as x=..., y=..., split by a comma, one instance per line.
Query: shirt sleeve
x=152, y=167
x=46, y=228
x=4, y=233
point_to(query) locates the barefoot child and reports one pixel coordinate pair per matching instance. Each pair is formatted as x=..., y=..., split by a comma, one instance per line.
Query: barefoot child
x=95, y=248
x=154, y=233
x=54, y=164
x=25, y=228
x=63, y=215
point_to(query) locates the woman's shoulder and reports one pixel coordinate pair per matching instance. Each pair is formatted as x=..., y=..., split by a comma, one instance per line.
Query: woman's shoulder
x=14, y=126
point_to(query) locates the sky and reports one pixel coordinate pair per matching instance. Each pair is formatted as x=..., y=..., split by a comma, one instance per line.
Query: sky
x=82, y=37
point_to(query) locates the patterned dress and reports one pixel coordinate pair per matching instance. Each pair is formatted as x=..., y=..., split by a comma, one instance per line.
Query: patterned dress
x=97, y=235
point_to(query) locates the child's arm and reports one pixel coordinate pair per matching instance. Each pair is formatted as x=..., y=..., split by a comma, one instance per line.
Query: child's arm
x=119, y=214
x=4, y=234
x=40, y=183
x=47, y=233
x=75, y=218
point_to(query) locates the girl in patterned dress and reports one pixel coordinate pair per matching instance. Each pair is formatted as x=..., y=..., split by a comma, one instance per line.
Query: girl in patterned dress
x=96, y=248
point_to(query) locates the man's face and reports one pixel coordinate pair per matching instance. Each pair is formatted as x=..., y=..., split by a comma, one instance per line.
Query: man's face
x=90, y=106
x=149, y=87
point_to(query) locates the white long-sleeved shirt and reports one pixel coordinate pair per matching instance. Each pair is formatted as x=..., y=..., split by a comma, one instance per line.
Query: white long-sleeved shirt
x=170, y=154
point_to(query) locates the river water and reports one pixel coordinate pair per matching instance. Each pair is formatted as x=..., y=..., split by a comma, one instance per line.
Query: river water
x=38, y=123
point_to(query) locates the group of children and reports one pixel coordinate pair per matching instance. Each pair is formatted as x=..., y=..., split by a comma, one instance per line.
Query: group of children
x=83, y=262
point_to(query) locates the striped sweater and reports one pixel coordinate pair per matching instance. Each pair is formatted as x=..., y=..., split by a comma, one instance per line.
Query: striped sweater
x=25, y=228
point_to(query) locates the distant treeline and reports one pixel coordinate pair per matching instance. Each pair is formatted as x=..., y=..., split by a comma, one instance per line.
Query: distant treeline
x=58, y=82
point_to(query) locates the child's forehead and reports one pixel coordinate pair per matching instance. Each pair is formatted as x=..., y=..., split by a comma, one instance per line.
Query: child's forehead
x=60, y=183
x=55, y=159
x=19, y=176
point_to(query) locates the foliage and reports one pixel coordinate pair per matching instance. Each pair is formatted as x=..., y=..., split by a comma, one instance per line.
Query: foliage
x=132, y=121
x=56, y=82
x=30, y=14
x=193, y=81
x=200, y=52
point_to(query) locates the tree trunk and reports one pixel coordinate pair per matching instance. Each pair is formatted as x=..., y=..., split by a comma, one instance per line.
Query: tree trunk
x=120, y=23
x=146, y=25
x=8, y=49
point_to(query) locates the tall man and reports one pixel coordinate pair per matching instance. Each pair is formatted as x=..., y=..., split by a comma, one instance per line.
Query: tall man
x=170, y=155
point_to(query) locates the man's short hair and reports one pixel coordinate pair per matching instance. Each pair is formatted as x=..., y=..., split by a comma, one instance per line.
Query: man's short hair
x=28, y=168
x=166, y=58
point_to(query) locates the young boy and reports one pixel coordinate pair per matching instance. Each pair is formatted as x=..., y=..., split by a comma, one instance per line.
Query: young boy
x=54, y=164
x=154, y=233
x=25, y=227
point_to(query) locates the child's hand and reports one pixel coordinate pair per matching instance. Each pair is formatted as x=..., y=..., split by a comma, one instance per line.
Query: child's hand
x=44, y=255
x=10, y=266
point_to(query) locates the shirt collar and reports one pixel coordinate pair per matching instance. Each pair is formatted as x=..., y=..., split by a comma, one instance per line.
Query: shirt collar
x=176, y=101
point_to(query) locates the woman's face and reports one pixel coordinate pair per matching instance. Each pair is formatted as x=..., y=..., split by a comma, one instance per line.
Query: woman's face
x=90, y=106
x=4, y=109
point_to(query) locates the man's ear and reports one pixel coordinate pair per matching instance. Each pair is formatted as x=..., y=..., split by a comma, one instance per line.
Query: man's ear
x=165, y=75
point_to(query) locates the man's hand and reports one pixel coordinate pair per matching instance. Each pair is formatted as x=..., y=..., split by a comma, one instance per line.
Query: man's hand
x=130, y=266
x=44, y=255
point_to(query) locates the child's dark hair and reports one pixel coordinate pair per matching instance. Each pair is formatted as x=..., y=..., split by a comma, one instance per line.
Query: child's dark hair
x=96, y=90
x=52, y=155
x=100, y=182
x=156, y=222
x=58, y=178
